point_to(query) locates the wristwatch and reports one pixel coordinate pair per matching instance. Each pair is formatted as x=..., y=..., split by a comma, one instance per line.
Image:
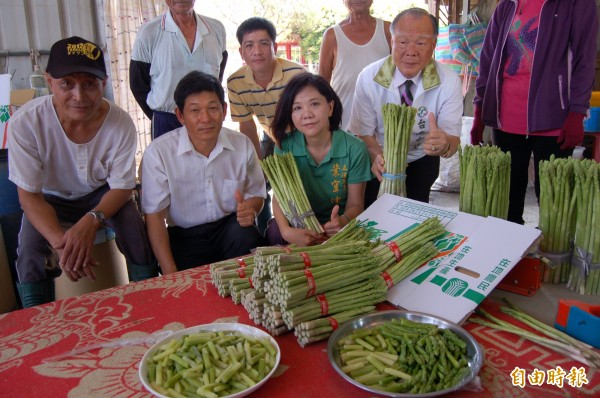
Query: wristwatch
x=98, y=215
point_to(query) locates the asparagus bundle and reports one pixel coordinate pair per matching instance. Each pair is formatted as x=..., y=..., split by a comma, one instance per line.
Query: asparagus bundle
x=557, y=216
x=220, y=272
x=282, y=172
x=320, y=329
x=353, y=231
x=585, y=269
x=367, y=292
x=291, y=287
x=254, y=304
x=239, y=287
x=397, y=272
x=398, y=122
x=555, y=340
x=406, y=243
x=272, y=320
x=484, y=181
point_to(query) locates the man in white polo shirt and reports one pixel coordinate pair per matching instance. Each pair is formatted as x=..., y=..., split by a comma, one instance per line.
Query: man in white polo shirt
x=410, y=76
x=204, y=180
x=165, y=50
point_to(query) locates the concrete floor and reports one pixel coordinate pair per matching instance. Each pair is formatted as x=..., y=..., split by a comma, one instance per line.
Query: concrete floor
x=543, y=305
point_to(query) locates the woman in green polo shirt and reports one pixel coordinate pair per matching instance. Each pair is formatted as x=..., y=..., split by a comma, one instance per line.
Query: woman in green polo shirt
x=334, y=166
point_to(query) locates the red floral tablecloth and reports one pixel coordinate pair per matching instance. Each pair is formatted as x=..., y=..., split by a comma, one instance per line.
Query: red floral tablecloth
x=44, y=350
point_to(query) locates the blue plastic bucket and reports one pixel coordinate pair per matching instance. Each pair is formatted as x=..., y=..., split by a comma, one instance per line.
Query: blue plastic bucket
x=592, y=123
x=10, y=211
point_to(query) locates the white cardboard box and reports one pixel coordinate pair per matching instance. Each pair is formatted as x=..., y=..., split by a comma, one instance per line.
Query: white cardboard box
x=17, y=99
x=474, y=256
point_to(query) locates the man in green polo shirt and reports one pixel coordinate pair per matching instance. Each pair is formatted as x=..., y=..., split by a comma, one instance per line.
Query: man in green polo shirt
x=254, y=89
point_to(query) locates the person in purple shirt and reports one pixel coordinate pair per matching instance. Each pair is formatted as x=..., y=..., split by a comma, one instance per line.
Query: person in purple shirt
x=535, y=80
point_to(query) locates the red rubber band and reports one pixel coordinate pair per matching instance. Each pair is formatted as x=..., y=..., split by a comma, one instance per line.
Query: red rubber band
x=323, y=302
x=395, y=249
x=332, y=322
x=310, y=279
x=306, y=257
x=388, y=279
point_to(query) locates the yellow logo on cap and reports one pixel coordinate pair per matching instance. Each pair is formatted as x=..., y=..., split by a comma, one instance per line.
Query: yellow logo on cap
x=87, y=49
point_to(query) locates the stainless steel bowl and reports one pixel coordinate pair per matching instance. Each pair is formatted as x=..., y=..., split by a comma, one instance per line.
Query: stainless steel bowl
x=474, y=352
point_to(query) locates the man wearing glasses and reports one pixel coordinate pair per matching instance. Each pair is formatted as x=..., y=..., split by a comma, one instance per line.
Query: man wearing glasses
x=410, y=76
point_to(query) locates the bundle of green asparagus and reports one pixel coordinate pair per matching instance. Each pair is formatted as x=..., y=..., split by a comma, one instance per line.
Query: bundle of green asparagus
x=389, y=253
x=366, y=292
x=240, y=286
x=484, y=181
x=585, y=263
x=409, y=264
x=253, y=302
x=353, y=231
x=285, y=287
x=321, y=328
x=282, y=172
x=398, y=122
x=290, y=287
x=557, y=216
x=224, y=271
x=273, y=321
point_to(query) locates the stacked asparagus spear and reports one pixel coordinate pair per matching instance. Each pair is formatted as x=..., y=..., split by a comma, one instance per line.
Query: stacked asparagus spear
x=585, y=263
x=282, y=172
x=314, y=289
x=557, y=216
x=484, y=181
x=398, y=122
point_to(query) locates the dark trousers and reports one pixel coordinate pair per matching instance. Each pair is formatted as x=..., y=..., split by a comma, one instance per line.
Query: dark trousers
x=267, y=147
x=420, y=176
x=163, y=122
x=208, y=243
x=127, y=223
x=521, y=147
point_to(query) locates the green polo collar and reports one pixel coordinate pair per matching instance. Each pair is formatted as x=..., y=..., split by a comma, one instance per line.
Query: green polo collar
x=385, y=74
x=339, y=147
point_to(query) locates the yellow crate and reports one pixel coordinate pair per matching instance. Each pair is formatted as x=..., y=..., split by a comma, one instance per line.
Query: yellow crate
x=595, y=100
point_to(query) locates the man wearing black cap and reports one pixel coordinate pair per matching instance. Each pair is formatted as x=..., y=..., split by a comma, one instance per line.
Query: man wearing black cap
x=72, y=157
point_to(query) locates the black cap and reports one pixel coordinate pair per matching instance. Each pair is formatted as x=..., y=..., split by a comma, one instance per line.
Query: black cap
x=74, y=55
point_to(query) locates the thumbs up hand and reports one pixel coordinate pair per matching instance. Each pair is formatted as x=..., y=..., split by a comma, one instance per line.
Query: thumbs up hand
x=245, y=212
x=335, y=223
x=436, y=141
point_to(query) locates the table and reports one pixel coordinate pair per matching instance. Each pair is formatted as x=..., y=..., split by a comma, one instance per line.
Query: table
x=30, y=338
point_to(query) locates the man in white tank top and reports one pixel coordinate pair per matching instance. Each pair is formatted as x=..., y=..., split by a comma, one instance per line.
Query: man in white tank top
x=348, y=47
